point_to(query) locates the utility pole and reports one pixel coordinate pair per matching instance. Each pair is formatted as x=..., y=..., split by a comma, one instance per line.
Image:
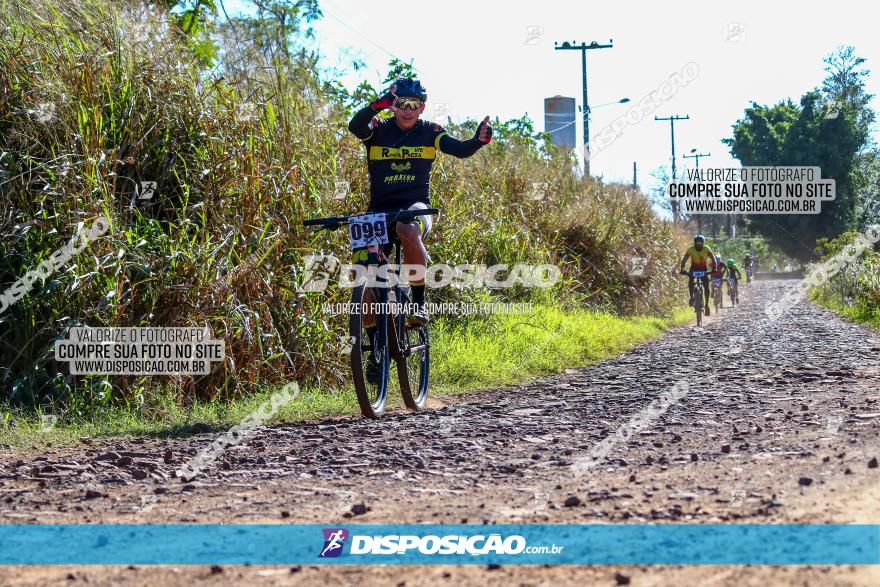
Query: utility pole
x=635, y=176
x=672, y=120
x=697, y=156
x=583, y=48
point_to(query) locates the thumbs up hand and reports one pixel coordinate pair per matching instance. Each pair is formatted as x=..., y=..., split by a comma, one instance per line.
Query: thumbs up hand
x=484, y=132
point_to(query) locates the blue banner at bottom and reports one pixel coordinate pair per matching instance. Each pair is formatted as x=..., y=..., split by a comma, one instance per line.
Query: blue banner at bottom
x=648, y=544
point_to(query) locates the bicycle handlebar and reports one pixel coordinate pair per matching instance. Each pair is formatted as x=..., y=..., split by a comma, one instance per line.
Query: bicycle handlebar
x=335, y=222
x=321, y=221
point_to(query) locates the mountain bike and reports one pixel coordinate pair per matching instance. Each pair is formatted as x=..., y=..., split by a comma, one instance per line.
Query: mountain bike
x=748, y=274
x=698, y=295
x=733, y=291
x=717, y=293
x=378, y=328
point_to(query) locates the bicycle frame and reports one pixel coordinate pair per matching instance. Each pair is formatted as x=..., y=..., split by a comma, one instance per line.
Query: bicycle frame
x=716, y=291
x=391, y=337
x=394, y=296
x=698, y=286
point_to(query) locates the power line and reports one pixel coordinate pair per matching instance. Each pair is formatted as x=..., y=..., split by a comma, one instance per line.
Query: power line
x=363, y=36
x=567, y=124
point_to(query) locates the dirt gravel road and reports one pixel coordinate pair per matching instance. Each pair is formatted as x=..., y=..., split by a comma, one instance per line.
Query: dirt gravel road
x=784, y=428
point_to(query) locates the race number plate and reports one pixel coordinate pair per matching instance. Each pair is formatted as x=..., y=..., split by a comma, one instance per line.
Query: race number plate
x=368, y=229
x=731, y=281
x=699, y=273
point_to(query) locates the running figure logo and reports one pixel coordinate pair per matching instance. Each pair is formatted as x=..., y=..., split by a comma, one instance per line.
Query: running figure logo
x=334, y=540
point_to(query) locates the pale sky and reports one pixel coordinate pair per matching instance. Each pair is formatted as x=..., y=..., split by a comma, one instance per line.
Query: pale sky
x=475, y=57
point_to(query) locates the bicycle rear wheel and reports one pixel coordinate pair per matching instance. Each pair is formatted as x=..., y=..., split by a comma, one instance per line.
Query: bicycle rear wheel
x=413, y=364
x=372, y=392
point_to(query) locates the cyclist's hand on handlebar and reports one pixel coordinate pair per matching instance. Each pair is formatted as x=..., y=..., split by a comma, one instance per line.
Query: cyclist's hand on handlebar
x=682, y=271
x=484, y=132
x=386, y=101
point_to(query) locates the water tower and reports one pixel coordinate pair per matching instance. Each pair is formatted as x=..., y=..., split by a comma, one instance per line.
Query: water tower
x=559, y=121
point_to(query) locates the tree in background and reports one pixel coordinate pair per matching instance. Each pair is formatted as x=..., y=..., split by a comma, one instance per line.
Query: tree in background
x=658, y=193
x=830, y=128
x=273, y=40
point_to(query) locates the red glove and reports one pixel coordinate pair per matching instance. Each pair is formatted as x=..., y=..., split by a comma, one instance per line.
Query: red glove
x=386, y=101
x=484, y=132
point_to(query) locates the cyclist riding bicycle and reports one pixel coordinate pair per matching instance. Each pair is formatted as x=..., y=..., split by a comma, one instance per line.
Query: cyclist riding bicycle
x=719, y=270
x=400, y=153
x=699, y=254
x=734, y=272
x=748, y=265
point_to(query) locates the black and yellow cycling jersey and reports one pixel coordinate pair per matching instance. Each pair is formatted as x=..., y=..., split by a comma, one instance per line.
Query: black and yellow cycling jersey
x=399, y=161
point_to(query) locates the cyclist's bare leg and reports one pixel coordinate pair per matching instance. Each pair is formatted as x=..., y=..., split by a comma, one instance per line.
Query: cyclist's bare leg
x=414, y=252
x=414, y=255
x=706, y=289
x=369, y=317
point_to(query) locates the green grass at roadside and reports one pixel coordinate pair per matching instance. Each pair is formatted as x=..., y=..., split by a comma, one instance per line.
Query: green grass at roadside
x=860, y=312
x=510, y=348
x=169, y=419
x=486, y=352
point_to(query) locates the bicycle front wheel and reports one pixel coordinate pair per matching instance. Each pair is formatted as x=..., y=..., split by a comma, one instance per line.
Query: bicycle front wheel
x=413, y=367
x=698, y=304
x=414, y=358
x=370, y=354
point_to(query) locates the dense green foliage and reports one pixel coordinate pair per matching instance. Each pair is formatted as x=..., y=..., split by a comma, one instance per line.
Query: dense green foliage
x=830, y=128
x=854, y=291
x=241, y=154
x=737, y=248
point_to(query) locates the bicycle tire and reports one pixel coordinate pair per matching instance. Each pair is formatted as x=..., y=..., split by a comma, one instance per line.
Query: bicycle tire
x=413, y=368
x=370, y=408
x=413, y=363
x=698, y=304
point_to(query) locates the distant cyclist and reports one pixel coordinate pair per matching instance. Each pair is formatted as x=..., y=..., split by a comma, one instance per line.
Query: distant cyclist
x=719, y=270
x=734, y=272
x=400, y=153
x=748, y=265
x=700, y=256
